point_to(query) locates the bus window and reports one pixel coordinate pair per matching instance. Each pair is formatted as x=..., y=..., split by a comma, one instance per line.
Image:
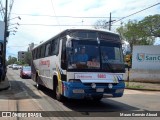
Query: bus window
x=63, y=57
x=55, y=47
x=42, y=51
x=38, y=53
x=47, y=50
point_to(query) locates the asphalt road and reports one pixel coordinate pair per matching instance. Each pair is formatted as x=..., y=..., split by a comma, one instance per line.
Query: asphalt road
x=23, y=96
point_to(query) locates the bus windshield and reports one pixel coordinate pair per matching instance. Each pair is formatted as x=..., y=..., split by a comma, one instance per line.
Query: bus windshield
x=87, y=54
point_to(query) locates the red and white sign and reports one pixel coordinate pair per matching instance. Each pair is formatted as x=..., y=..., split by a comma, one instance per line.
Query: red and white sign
x=93, y=76
x=99, y=77
x=44, y=63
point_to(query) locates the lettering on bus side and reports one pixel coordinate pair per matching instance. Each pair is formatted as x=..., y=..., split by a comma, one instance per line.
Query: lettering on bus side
x=44, y=62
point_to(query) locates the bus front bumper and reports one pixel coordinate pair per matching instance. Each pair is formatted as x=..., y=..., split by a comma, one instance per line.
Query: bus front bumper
x=80, y=90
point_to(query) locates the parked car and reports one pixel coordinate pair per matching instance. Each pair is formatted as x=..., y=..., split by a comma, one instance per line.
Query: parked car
x=9, y=66
x=15, y=67
x=25, y=72
x=19, y=67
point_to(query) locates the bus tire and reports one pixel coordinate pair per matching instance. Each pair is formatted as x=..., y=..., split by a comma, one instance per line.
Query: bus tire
x=38, y=86
x=1, y=78
x=55, y=82
x=59, y=97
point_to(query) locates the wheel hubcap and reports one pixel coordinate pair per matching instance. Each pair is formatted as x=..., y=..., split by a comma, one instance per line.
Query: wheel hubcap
x=37, y=85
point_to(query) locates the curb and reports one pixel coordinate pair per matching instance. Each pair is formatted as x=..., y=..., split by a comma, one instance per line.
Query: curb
x=4, y=85
x=6, y=88
x=142, y=89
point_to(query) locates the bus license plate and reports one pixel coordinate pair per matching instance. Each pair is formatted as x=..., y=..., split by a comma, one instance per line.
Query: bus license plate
x=100, y=90
x=78, y=91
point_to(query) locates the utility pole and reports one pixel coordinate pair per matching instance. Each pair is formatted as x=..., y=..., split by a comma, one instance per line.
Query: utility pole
x=5, y=37
x=110, y=21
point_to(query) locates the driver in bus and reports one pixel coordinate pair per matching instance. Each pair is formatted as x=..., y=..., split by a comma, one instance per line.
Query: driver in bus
x=82, y=57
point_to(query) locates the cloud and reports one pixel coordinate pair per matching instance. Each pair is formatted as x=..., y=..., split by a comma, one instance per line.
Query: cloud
x=63, y=3
x=93, y=4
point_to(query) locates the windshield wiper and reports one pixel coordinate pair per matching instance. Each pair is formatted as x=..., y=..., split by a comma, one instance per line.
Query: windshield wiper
x=109, y=66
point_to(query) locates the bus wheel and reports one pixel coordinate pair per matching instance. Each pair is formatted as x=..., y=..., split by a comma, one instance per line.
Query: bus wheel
x=38, y=86
x=1, y=78
x=59, y=97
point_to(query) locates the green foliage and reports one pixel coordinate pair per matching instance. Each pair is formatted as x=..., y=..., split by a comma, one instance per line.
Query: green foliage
x=26, y=61
x=21, y=62
x=28, y=58
x=142, y=32
x=135, y=32
x=11, y=60
x=151, y=25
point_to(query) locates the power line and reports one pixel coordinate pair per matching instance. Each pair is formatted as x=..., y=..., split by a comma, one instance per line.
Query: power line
x=63, y=16
x=15, y=46
x=136, y=12
x=61, y=25
x=55, y=13
x=11, y=5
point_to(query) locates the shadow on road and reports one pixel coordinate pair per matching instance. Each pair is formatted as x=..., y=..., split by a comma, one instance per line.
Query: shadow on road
x=105, y=105
x=18, y=90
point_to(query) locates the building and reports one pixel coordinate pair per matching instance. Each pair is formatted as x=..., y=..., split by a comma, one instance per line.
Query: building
x=31, y=46
x=21, y=55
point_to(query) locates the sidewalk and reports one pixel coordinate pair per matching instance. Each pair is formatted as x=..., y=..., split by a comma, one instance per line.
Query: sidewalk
x=143, y=86
x=4, y=84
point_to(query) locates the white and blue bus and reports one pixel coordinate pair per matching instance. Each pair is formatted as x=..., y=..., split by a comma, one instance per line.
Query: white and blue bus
x=56, y=64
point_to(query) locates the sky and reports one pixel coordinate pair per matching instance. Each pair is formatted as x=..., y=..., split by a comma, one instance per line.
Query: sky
x=82, y=13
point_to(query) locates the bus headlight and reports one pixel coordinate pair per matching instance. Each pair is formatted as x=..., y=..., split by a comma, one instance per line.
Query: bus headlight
x=110, y=86
x=93, y=85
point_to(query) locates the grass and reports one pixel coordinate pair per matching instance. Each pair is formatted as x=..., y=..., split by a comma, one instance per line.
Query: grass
x=131, y=85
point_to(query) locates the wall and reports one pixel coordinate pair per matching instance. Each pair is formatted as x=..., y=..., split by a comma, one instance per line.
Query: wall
x=145, y=64
x=146, y=57
x=152, y=76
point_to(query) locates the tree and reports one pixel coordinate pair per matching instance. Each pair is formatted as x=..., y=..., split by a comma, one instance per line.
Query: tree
x=135, y=32
x=142, y=32
x=28, y=58
x=151, y=25
x=101, y=24
x=11, y=60
x=130, y=32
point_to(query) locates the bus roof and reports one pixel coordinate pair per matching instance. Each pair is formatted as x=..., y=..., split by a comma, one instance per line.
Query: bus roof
x=75, y=29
